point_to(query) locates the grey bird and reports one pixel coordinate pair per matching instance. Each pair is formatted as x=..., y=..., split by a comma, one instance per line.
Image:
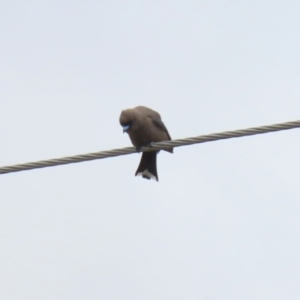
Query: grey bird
x=145, y=126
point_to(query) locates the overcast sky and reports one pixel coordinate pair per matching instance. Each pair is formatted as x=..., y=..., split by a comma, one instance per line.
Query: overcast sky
x=223, y=222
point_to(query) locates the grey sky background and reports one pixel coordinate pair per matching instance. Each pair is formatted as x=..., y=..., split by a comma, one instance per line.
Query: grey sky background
x=223, y=221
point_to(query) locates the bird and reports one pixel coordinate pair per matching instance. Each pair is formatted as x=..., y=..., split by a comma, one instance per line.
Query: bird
x=144, y=126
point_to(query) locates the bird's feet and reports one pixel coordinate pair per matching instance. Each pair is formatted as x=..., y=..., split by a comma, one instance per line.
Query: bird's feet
x=138, y=149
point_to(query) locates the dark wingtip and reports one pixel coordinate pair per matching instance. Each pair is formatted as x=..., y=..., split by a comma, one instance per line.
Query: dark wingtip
x=169, y=150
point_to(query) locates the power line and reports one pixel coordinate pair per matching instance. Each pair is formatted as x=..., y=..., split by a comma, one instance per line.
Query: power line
x=161, y=145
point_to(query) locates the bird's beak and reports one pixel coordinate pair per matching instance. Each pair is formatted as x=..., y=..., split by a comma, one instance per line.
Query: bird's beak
x=125, y=128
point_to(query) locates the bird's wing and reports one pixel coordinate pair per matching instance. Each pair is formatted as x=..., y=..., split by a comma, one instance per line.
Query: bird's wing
x=159, y=123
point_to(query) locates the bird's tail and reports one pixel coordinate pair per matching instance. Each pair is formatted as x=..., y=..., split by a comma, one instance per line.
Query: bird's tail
x=147, y=166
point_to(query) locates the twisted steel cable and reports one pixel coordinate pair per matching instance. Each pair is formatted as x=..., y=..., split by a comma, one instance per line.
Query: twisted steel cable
x=154, y=146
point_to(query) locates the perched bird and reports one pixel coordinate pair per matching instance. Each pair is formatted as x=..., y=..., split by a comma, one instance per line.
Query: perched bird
x=145, y=126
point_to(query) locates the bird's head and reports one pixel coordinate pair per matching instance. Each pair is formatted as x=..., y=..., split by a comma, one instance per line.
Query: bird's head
x=126, y=119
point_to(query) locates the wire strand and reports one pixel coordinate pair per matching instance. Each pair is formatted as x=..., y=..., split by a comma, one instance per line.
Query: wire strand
x=154, y=146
